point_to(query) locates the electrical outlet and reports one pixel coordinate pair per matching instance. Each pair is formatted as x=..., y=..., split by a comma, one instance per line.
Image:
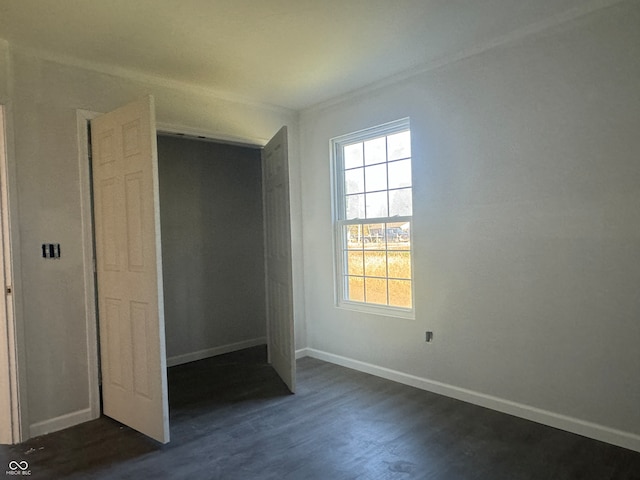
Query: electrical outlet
x=428, y=337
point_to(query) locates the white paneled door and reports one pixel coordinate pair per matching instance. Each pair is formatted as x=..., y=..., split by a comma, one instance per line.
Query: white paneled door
x=279, y=285
x=129, y=268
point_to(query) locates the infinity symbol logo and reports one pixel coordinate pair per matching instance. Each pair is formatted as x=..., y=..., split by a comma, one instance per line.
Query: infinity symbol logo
x=13, y=465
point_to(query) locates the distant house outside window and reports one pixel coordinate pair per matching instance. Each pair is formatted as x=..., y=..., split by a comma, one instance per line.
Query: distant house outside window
x=372, y=219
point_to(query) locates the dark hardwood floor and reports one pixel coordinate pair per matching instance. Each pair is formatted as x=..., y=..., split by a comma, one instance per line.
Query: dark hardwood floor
x=232, y=418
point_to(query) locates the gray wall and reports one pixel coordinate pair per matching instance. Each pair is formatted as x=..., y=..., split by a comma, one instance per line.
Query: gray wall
x=526, y=226
x=212, y=246
x=4, y=71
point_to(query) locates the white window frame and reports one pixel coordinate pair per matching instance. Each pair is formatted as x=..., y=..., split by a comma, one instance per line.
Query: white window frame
x=338, y=208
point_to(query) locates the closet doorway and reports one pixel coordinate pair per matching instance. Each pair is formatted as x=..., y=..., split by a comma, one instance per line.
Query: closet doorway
x=125, y=234
x=212, y=227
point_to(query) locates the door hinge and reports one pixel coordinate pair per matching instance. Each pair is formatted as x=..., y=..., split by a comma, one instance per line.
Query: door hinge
x=9, y=290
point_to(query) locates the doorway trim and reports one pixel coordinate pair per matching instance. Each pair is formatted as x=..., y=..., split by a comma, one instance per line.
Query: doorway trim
x=83, y=117
x=12, y=422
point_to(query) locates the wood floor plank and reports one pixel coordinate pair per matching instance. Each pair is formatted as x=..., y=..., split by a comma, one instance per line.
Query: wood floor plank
x=232, y=418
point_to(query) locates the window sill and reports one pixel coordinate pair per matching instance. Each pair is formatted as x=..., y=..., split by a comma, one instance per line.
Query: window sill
x=380, y=310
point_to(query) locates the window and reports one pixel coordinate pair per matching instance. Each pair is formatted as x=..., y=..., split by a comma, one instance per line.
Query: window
x=372, y=219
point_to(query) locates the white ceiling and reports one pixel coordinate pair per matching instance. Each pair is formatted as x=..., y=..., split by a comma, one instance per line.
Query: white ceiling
x=292, y=53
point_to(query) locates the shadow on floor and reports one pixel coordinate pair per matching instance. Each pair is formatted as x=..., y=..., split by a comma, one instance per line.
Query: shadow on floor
x=201, y=395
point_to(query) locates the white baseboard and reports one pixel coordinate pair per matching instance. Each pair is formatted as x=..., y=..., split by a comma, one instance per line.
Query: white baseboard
x=574, y=425
x=61, y=422
x=212, y=352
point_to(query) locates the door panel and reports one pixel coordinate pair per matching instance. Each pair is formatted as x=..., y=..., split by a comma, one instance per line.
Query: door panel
x=279, y=285
x=129, y=273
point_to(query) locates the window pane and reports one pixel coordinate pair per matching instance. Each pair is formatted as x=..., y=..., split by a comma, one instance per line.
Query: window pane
x=376, y=204
x=355, y=264
x=375, y=290
x=353, y=155
x=354, y=206
x=400, y=293
x=399, y=264
x=375, y=263
x=376, y=177
x=354, y=181
x=373, y=235
x=400, y=174
x=399, y=235
x=355, y=289
x=375, y=151
x=399, y=202
x=396, y=237
x=399, y=145
x=354, y=236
